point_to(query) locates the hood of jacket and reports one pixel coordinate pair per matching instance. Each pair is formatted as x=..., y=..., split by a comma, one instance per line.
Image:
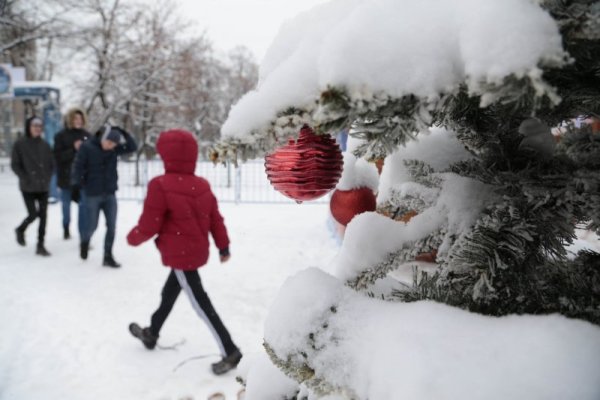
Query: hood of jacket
x=68, y=120
x=179, y=151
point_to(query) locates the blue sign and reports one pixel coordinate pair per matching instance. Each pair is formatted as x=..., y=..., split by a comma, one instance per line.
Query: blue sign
x=5, y=87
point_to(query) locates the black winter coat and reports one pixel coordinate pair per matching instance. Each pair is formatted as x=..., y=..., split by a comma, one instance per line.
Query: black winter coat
x=64, y=153
x=33, y=163
x=95, y=169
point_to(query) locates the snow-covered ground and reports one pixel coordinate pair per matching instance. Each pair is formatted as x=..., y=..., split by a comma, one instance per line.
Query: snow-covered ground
x=63, y=321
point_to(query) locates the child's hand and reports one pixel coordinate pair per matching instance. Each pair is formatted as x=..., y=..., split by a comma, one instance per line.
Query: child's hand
x=225, y=258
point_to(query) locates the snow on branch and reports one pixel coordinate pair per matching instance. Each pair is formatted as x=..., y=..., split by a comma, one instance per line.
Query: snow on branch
x=420, y=49
x=341, y=343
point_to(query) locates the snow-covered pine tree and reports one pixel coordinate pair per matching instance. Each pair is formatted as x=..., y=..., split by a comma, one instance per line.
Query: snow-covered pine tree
x=498, y=195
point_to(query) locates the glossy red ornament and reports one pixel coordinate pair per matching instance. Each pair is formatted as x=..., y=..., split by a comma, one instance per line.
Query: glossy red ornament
x=346, y=204
x=307, y=168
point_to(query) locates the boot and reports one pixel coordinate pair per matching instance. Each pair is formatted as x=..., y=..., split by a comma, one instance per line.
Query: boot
x=41, y=250
x=84, y=247
x=227, y=363
x=109, y=261
x=66, y=234
x=144, y=334
x=20, y=236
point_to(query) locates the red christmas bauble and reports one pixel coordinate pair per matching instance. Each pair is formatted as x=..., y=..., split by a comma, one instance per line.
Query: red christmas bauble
x=346, y=204
x=307, y=168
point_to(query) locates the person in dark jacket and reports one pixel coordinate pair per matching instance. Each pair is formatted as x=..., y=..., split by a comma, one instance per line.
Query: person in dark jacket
x=94, y=173
x=182, y=210
x=33, y=163
x=66, y=144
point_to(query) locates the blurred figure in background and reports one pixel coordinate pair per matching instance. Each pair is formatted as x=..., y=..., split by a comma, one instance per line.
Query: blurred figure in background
x=66, y=144
x=33, y=163
x=94, y=174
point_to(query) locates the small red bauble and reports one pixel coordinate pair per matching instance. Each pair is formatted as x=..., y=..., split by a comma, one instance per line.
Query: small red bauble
x=307, y=168
x=346, y=204
x=429, y=257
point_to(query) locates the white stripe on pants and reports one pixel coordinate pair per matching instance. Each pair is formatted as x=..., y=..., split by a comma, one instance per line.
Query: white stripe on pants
x=188, y=290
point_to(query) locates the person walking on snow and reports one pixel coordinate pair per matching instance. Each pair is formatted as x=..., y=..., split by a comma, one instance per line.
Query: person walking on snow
x=95, y=175
x=32, y=161
x=66, y=144
x=182, y=210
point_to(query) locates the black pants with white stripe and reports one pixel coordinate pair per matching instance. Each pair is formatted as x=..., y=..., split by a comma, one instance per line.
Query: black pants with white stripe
x=190, y=282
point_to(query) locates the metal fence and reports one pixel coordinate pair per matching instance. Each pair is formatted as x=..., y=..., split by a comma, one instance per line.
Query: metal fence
x=247, y=183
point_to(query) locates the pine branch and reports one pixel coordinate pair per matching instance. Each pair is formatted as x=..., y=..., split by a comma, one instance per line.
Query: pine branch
x=408, y=252
x=304, y=374
x=571, y=288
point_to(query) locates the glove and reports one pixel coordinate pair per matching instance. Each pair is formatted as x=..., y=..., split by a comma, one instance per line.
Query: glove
x=75, y=193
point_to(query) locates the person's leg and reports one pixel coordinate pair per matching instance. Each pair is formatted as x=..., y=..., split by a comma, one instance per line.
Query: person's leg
x=42, y=199
x=93, y=204
x=109, y=208
x=169, y=295
x=82, y=214
x=29, y=199
x=192, y=286
x=65, y=198
x=32, y=213
x=149, y=335
x=93, y=214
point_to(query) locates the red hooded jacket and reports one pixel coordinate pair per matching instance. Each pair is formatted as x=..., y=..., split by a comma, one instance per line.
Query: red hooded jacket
x=180, y=207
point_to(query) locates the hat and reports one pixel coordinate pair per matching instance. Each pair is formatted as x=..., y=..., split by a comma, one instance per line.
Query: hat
x=111, y=133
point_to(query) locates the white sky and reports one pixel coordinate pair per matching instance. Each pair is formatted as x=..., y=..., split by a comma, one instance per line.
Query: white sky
x=252, y=23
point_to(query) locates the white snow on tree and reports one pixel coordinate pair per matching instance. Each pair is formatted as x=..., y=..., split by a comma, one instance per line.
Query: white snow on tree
x=476, y=203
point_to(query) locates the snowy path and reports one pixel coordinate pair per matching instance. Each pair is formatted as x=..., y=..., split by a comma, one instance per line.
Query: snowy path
x=63, y=329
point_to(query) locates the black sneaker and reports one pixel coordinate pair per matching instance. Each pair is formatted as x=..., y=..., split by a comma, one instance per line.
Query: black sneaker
x=20, y=236
x=84, y=247
x=109, y=261
x=227, y=363
x=144, y=334
x=66, y=234
x=41, y=251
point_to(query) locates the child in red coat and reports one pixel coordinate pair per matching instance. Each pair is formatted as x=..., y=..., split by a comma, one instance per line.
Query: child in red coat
x=182, y=210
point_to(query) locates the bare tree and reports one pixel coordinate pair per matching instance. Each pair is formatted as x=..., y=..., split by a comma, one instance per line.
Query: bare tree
x=207, y=86
x=243, y=72
x=28, y=29
x=138, y=66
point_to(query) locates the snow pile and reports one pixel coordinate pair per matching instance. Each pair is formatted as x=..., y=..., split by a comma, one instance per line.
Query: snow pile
x=438, y=352
x=358, y=173
x=256, y=370
x=420, y=48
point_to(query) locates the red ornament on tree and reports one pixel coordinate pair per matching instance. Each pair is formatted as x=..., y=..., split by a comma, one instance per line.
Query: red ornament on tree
x=307, y=168
x=346, y=204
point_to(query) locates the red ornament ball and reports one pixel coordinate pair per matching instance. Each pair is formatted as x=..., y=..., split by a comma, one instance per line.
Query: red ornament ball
x=307, y=168
x=346, y=204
